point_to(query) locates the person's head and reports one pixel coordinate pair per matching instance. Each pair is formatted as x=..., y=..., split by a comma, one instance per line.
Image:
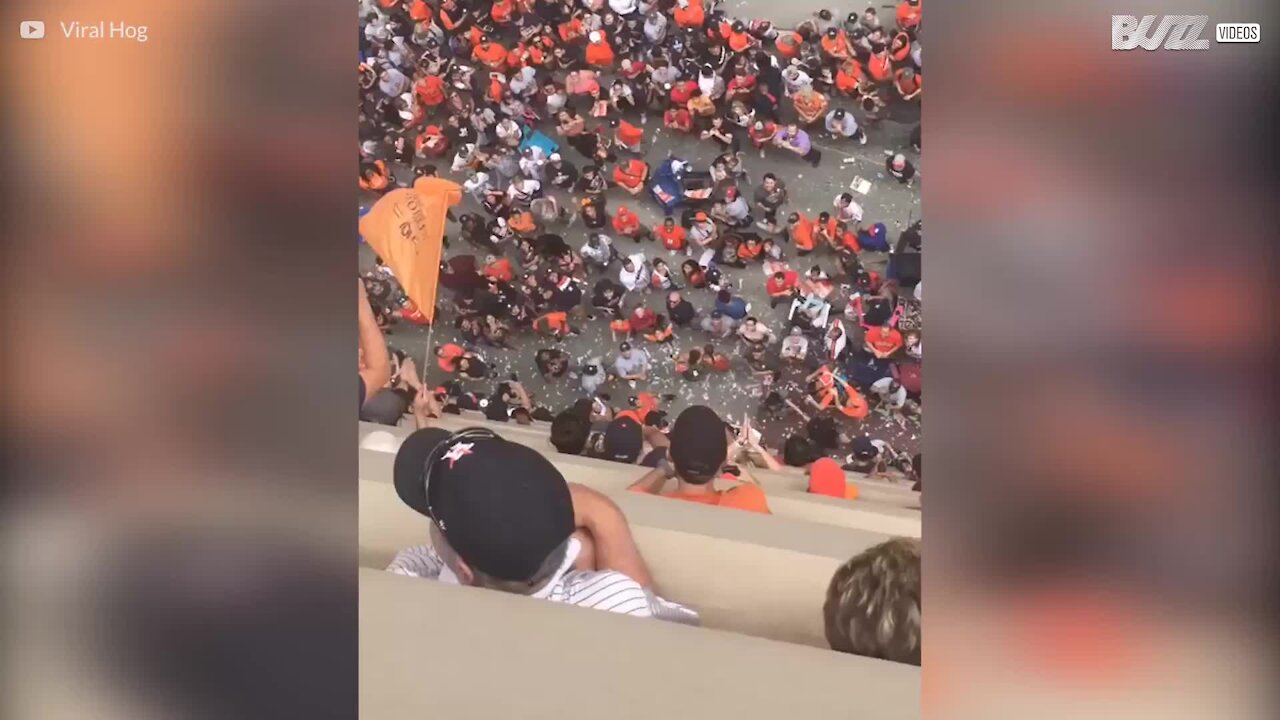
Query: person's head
x=698, y=445
x=750, y=324
x=815, y=272
x=569, y=431
x=659, y=264
x=625, y=348
x=894, y=386
x=758, y=127
x=899, y=161
x=770, y=181
x=724, y=296
x=824, y=217
x=873, y=603
x=629, y=264
x=832, y=33
x=623, y=441
x=845, y=199
x=908, y=73
x=701, y=217
x=793, y=129
x=490, y=532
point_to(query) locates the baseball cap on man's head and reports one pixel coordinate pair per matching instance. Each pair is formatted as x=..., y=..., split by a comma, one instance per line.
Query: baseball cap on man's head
x=863, y=449
x=827, y=478
x=502, y=522
x=623, y=441
x=698, y=442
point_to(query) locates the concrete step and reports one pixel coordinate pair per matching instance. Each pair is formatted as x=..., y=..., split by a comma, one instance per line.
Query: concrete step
x=791, y=479
x=612, y=479
x=423, y=645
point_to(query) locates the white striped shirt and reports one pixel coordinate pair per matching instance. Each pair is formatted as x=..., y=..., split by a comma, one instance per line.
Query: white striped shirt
x=599, y=590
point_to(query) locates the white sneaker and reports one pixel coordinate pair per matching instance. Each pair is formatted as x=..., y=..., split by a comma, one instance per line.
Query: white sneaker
x=862, y=140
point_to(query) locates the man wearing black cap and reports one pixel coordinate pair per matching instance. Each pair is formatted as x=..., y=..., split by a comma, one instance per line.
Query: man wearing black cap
x=700, y=452
x=527, y=532
x=622, y=441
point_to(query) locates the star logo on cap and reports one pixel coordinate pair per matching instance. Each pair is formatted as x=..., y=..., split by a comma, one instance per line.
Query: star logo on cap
x=457, y=452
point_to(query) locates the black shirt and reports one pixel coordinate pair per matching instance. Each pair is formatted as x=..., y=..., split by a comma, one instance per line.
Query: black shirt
x=682, y=313
x=565, y=176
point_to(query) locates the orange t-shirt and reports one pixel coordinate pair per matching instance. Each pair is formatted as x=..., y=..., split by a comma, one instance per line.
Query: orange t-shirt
x=802, y=233
x=626, y=221
x=492, y=55
x=430, y=90
x=691, y=17
x=420, y=11
x=500, y=269
x=908, y=16
x=837, y=47
x=672, y=239
x=629, y=175
x=600, y=54
x=629, y=134
x=848, y=76
x=906, y=87
x=788, y=44
x=523, y=223
x=448, y=360
x=884, y=339
x=556, y=322
x=879, y=67
x=502, y=11
x=743, y=496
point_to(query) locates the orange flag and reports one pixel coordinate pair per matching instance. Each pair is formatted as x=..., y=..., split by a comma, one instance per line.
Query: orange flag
x=406, y=228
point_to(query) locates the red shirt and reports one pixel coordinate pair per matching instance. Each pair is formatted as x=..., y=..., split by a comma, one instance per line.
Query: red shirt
x=790, y=280
x=630, y=174
x=626, y=222
x=644, y=320
x=673, y=238
x=629, y=134
x=884, y=339
x=682, y=91
x=678, y=119
x=430, y=90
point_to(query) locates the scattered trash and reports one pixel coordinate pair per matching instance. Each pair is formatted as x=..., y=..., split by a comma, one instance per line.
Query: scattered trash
x=860, y=185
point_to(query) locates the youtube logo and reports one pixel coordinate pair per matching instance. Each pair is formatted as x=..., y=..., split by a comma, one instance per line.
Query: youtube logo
x=31, y=29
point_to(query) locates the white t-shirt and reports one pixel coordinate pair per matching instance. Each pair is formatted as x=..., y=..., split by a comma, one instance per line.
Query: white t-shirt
x=894, y=400
x=600, y=590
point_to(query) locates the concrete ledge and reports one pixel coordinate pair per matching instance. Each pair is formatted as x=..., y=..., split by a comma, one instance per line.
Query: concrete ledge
x=612, y=479
x=790, y=480
x=434, y=651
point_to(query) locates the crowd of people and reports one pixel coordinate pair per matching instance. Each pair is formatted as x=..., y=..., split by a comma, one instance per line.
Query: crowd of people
x=544, y=111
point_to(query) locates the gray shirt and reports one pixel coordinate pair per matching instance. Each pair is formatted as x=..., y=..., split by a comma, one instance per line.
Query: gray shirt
x=631, y=365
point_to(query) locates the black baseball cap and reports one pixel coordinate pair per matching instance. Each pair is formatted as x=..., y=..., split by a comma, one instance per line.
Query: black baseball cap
x=502, y=506
x=623, y=441
x=698, y=442
x=863, y=448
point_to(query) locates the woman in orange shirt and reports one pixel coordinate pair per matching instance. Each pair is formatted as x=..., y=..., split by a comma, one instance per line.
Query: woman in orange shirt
x=900, y=47
x=848, y=77
x=835, y=45
x=810, y=105
x=883, y=341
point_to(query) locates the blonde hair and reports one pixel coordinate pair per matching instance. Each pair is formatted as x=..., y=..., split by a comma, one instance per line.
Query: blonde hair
x=873, y=603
